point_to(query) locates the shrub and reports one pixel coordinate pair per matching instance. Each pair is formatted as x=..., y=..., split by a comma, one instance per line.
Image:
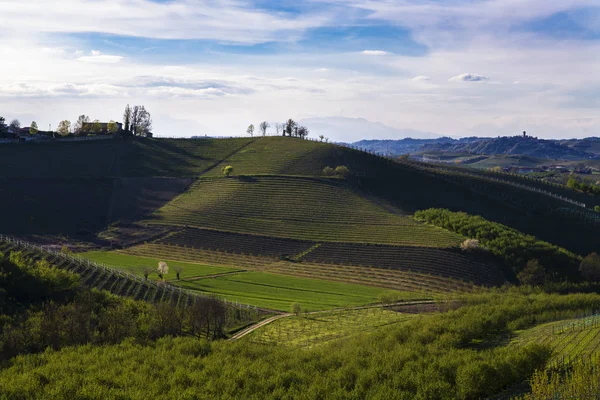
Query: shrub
x=342, y=170
x=328, y=171
x=227, y=170
x=296, y=308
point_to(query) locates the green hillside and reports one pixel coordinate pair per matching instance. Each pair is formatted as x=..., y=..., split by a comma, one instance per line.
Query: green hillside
x=298, y=208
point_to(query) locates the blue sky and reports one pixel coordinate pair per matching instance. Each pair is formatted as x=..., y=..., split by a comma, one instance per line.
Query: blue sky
x=456, y=67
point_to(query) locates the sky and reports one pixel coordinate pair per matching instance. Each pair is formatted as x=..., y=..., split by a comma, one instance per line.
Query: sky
x=441, y=67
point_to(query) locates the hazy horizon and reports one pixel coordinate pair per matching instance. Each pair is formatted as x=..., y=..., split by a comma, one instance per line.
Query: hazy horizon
x=490, y=68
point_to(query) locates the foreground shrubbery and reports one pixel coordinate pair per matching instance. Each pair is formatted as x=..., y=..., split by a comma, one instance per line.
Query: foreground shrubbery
x=43, y=307
x=581, y=381
x=428, y=357
x=512, y=246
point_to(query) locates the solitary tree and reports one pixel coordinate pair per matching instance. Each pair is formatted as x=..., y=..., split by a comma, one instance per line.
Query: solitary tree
x=96, y=127
x=163, y=269
x=178, y=271
x=328, y=171
x=321, y=137
x=33, y=129
x=296, y=309
x=590, y=267
x=533, y=274
x=127, y=118
x=250, y=130
x=263, y=128
x=81, y=125
x=279, y=128
x=112, y=127
x=146, y=271
x=64, y=127
x=342, y=170
x=227, y=170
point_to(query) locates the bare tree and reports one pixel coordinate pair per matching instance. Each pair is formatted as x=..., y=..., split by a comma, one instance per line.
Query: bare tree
x=146, y=271
x=263, y=128
x=250, y=130
x=14, y=126
x=141, y=122
x=163, y=269
x=279, y=128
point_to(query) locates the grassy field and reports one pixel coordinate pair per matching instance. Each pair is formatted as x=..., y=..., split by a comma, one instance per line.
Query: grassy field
x=279, y=292
x=297, y=208
x=311, y=329
x=135, y=264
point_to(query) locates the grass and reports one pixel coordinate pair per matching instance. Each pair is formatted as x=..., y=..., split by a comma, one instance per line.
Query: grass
x=135, y=264
x=311, y=329
x=297, y=208
x=279, y=292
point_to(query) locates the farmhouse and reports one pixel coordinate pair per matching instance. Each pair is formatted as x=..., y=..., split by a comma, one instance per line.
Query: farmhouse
x=88, y=127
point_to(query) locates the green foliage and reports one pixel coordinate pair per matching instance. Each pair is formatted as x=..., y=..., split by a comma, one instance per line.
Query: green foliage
x=328, y=171
x=33, y=129
x=112, y=127
x=227, y=170
x=532, y=274
x=428, y=357
x=582, y=381
x=96, y=127
x=590, y=267
x=597, y=208
x=342, y=170
x=64, y=127
x=296, y=309
x=512, y=246
x=587, y=187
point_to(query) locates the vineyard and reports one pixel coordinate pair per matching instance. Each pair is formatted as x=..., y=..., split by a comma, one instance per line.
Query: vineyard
x=312, y=329
x=296, y=208
x=443, y=263
x=398, y=279
x=570, y=341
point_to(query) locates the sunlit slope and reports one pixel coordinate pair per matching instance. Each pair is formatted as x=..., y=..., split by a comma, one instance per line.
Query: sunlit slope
x=298, y=208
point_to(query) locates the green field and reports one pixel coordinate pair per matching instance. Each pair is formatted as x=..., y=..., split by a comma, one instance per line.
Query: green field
x=136, y=264
x=297, y=208
x=312, y=329
x=279, y=292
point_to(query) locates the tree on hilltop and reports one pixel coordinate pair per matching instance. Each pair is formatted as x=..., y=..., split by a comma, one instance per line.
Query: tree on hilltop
x=3, y=127
x=290, y=127
x=112, y=127
x=15, y=125
x=250, y=130
x=263, y=128
x=227, y=170
x=33, y=129
x=302, y=132
x=96, y=127
x=127, y=118
x=81, y=126
x=64, y=127
x=279, y=128
x=590, y=267
x=141, y=122
x=321, y=137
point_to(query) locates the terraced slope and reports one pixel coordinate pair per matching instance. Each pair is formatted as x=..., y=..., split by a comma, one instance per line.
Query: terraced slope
x=268, y=155
x=296, y=208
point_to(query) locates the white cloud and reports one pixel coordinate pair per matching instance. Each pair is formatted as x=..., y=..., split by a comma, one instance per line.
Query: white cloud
x=469, y=78
x=375, y=53
x=421, y=78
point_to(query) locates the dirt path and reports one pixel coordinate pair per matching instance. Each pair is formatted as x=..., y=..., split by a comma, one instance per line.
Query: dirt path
x=197, y=278
x=256, y=326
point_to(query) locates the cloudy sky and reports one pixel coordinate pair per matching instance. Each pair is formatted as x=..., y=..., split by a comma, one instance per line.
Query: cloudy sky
x=452, y=67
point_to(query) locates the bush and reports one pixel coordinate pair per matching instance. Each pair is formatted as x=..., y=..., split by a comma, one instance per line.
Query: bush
x=328, y=171
x=227, y=170
x=342, y=170
x=470, y=245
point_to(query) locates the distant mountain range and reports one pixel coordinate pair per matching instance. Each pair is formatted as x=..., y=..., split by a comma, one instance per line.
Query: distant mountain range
x=575, y=149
